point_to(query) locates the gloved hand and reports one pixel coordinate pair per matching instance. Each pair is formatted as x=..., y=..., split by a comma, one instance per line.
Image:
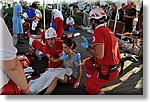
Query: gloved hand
x=64, y=56
x=78, y=56
x=89, y=39
x=85, y=44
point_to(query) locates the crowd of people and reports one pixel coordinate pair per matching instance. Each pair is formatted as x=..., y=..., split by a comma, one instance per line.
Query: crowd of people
x=126, y=13
x=64, y=62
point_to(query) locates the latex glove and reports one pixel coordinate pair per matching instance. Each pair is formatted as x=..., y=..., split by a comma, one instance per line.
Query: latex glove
x=89, y=39
x=85, y=44
x=64, y=56
x=78, y=56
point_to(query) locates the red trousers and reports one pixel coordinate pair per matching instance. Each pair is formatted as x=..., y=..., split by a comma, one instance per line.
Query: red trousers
x=59, y=27
x=93, y=83
x=10, y=89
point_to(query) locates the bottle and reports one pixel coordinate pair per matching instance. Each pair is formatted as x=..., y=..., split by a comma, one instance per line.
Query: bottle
x=40, y=55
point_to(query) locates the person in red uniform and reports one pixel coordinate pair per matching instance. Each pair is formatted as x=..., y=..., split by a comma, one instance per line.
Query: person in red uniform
x=40, y=35
x=52, y=48
x=58, y=19
x=103, y=66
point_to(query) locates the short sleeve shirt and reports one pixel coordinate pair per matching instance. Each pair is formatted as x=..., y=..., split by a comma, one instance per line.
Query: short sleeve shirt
x=30, y=13
x=53, y=52
x=131, y=12
x=103, y=35
x=38, y=13
x=7, y=50
x=73, y=64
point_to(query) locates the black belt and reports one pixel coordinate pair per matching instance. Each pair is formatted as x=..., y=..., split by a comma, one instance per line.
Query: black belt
x=97, y=67
x=113, y=68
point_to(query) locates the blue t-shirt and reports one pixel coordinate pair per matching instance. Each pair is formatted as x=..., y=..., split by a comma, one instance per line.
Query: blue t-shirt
x=30, y=12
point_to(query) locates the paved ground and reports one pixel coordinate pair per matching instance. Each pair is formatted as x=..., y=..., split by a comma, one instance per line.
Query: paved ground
x=130, y=83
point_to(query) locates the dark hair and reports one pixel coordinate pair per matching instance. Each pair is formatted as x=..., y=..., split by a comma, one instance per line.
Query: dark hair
x=123, y=3
x=99, y=21
x=70, y=43
x=34, y=5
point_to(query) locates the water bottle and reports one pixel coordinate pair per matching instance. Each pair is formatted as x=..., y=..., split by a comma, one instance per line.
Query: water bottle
x=40, y=55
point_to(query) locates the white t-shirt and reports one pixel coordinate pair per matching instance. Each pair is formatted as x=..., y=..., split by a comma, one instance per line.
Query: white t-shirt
x=57, y=13
x=35, y=22
x=38, y=13
x=7, y=50
x=25, y=15
x=70, y=21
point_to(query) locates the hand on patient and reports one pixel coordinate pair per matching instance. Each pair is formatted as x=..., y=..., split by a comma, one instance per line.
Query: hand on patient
x=85, y=44
x=64, y=56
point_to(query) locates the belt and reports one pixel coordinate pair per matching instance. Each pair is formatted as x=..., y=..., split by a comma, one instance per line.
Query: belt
x=113, y=68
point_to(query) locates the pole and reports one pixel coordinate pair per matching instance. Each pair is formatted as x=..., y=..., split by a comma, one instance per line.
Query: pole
x=116, y=17
x=57, y=4
x=61, y=5
x=44, y=13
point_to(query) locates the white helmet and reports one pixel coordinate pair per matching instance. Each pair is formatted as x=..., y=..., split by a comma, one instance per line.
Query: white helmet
x=97, y=13
x=50, y=33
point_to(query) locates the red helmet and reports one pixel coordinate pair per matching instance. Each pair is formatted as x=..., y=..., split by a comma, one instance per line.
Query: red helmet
x=97, y=13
